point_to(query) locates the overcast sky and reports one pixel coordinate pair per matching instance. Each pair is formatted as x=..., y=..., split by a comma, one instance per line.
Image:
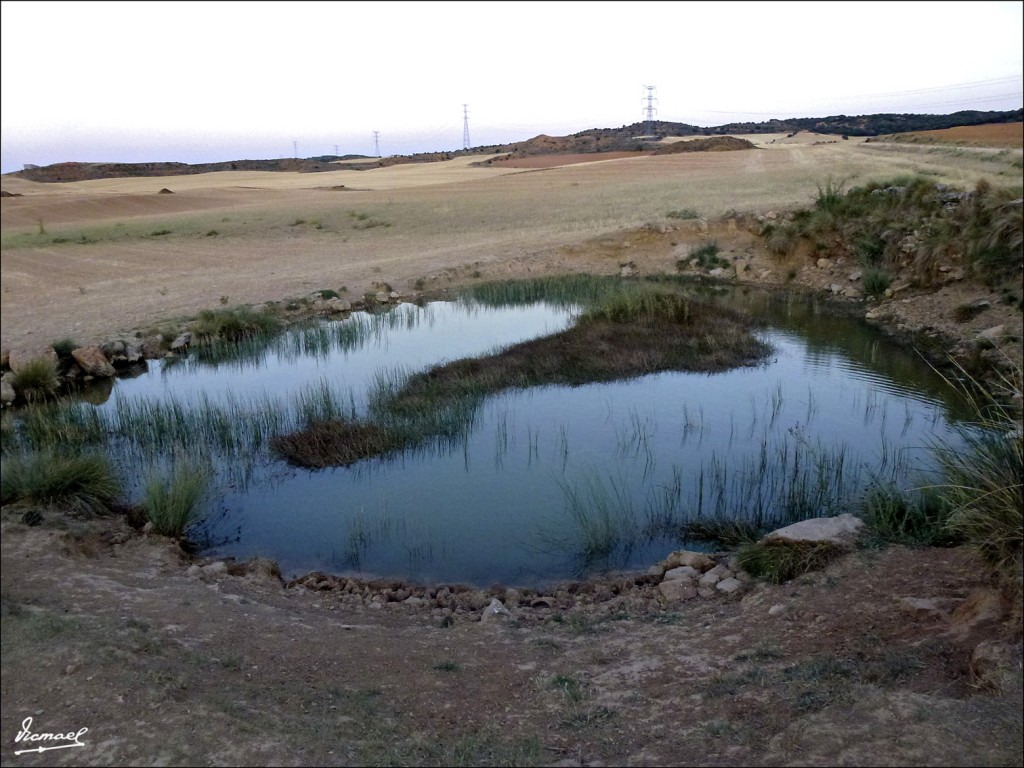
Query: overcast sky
x=207, y=81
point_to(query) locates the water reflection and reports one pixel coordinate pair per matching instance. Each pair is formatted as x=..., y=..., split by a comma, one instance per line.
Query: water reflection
x=549, y=482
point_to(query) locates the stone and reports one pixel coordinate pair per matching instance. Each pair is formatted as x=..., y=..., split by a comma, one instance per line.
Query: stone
x=656, y=570
x=338, y=305
x=995, y=665
x=925, y=607
x=993, y=334
x=93, y=362
x=628, y=270
x=697, y=560
x=7, y=393
x=777, y=609
x=855, y=276
x=19, y=358
x=382, y=298
x=842, y=530
x=721, y=571
x=716, y=272
x=852, y=293
x=181, y=342
x=215, y=569
x=682, y=572
x=729, y=585
x=835, y=288
x=709, y=579
x=823, y=263
x=678, y=589
x=495, y=610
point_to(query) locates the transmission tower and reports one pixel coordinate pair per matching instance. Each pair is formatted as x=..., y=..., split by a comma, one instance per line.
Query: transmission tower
x=650, y=110
x=295, y=149
x=376, y=142
x=465, y=126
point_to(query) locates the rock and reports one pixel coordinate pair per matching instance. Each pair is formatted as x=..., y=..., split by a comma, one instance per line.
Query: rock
x=842, y=530
x=394, y=296
x=338, y=305
x=181, y=342
x=697, y=560
x=682, y=572
x=728, y=585
x=996, y=665
x=706, y=591
x=215, y=569
x=261, y=568
x=835, y=288
x=924, y=607
x=709, y=579
x=628, y=269
x=19, y=358
x=741, y=266
x=855, y=276
x=852, y=293
x=7, y=393
x=656, y=570
x=993, y=334
x=381, y=297
x=823, y=263
x=93, y=362
x=716, y=272
x=777, y=609
x=512, y=597
x=678, y=589
x=496, y=610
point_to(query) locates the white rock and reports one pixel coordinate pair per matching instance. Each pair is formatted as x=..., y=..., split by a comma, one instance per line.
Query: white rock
x=841, y=529
x=682, y=572
x=728, y=585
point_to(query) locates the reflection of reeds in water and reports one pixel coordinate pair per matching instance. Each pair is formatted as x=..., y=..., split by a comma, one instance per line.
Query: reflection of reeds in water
x=365, y=532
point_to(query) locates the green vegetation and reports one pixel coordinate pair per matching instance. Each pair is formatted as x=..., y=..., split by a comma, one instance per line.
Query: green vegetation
x=875, y=281
x=917, y=517
x=81, y=484
x=233, y=324
x=914, y=224
x=171, y=504
x=707, y=257
x=684, y=213
x=37, y=380
x=983, y=483
x=779, y=560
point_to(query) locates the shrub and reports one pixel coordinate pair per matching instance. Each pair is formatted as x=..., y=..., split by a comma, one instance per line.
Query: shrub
x=707, y=256
x=171, y=504
x=685, y=213
x=875, y=281
x=233, y=324
x=983, y=482
x=36, y=380
x=913, y=517
x=82, y=483
x=64, y=347
x=779, y=560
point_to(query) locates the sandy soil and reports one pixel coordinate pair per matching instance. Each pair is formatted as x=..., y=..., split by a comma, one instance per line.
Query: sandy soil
x=112, y=631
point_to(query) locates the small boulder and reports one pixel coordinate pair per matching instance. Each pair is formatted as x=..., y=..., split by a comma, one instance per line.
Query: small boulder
x=842, y=530
x=678, y=589
x=682, y=572
x=19, y=358
x=697, y=560
x=93, y=362
x=729, y=585
x=496, y=610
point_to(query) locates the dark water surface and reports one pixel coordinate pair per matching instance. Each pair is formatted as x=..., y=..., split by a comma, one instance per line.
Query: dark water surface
x=552, y=482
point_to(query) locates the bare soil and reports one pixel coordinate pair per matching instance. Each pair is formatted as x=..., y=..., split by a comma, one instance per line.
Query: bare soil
x=997, y=135
x=108, y=629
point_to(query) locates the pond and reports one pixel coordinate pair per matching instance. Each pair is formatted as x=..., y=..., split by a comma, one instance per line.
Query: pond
x=550, y=482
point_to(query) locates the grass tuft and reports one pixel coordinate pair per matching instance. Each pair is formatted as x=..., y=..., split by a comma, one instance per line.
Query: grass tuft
x=81, y=484
x=779, y=560
x=36, y=380
x=172, y=504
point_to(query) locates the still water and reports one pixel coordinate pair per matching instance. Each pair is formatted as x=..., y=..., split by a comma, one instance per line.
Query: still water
x=554, y=482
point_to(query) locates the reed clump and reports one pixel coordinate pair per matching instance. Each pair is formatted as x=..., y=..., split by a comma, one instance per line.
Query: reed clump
x=172, y=503
x=80, y=483
x=779, y=560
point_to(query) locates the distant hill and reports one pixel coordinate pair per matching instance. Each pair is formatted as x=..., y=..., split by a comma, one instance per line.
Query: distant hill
x=634, y=137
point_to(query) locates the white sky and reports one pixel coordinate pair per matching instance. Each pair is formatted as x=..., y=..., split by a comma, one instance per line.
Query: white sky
x=207, y=81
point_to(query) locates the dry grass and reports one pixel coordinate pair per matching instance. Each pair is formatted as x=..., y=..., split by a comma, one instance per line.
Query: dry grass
x=444, y=217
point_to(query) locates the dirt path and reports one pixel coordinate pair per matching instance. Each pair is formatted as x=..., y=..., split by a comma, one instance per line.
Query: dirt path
x=108, y=631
